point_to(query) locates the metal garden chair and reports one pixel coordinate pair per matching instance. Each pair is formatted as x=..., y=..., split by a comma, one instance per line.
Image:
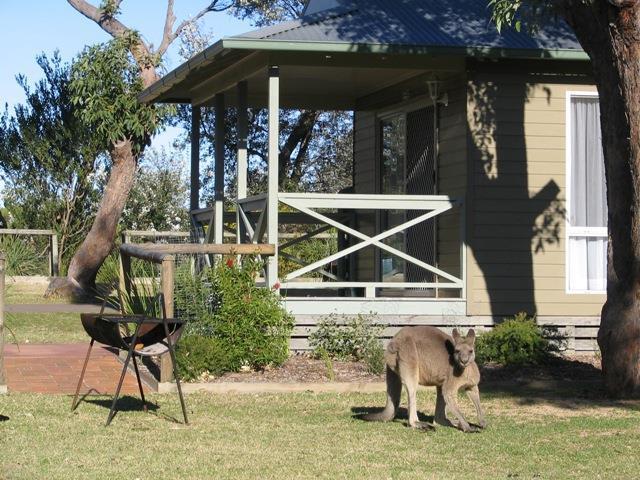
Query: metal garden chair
x=152, y=336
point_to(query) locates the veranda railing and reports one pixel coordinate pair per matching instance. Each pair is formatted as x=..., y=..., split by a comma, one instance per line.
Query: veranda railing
x=332, y=211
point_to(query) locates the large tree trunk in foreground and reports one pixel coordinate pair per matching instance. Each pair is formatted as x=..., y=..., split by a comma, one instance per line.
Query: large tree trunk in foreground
x=610, y=33
x=95, y=248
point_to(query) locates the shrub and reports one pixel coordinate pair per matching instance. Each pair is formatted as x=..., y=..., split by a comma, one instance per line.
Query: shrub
x=109, y=271
x=198, y=355
x=373, y=358
x=355, y=339
x=223, y=305
x=518, y=341
x=22, y=257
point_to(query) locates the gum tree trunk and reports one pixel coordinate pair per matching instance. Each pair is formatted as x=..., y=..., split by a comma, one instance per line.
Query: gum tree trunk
x=610, y=33
x=100, y=240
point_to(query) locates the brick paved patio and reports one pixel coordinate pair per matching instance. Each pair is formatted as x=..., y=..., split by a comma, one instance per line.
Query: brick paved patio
x=56, y=369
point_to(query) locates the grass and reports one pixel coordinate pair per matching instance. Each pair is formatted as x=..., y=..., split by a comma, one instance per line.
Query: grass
x=40, y=327
x=45, y=328
x=310, y=436
x=32, y=294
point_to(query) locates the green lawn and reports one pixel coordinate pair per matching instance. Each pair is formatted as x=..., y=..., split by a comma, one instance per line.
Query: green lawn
x=45, y=328
x=40, y=327
x=28, y=294
x=312, y=436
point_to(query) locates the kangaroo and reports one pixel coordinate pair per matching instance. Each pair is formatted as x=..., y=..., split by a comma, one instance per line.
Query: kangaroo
x=427, y=356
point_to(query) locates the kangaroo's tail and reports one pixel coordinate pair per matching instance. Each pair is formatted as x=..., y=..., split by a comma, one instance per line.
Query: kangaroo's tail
x=394, y=389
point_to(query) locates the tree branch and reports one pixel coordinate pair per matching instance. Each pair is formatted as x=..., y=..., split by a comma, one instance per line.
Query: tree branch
x=170, y=35
x=112, y=26
x=139, y=49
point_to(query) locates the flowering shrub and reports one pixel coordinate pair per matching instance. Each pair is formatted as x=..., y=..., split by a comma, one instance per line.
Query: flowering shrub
x=244, y=323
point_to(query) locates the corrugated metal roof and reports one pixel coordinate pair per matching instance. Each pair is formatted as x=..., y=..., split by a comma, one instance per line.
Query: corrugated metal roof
x=435, y=23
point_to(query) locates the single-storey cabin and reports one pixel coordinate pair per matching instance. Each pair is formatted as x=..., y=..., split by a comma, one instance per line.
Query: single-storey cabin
x=478, y=185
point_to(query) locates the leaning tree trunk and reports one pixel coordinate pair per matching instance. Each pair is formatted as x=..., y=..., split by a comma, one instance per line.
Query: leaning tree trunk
x=610, y=33
x=97, y=245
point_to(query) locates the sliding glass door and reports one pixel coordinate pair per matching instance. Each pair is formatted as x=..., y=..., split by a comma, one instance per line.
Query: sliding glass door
x=408, y=167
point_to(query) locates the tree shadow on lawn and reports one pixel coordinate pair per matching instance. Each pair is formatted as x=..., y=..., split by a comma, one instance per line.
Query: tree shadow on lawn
x=560, y=382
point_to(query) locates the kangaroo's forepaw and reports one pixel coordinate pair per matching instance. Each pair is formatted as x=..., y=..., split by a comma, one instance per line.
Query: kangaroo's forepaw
x=482, y=424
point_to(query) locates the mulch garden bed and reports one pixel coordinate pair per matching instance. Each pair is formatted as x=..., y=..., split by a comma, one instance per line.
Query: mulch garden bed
x=302, y=368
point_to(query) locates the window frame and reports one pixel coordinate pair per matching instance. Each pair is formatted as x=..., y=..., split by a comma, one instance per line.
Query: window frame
x=573, y=232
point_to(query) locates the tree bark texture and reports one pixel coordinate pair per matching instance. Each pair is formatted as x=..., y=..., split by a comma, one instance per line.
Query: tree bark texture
x=610, y=33
x=100, y=241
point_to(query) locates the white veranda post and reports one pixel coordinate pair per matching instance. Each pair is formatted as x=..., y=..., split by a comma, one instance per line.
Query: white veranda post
x=272, y=188
x=242, y=128
x=219, y=168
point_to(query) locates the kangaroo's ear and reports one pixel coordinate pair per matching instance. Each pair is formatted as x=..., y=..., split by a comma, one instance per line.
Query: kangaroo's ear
x=456, y=335
x=471, y=336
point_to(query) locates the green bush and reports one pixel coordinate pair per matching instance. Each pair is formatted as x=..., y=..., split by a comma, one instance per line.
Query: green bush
x=22, y=257
x=223, y=305
x=373, y=358
x=518, y=341
x=198, y=355
x=354, y=339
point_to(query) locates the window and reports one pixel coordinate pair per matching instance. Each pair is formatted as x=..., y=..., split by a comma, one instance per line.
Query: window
x=586, y=197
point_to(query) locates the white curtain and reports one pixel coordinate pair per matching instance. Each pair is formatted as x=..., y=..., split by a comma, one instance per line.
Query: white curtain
x=588, y=201
x=587, y=264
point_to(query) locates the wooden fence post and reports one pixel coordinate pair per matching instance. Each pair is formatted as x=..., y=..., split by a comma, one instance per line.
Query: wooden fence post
x=3, y=379
x=53, y=244
x=167, y=283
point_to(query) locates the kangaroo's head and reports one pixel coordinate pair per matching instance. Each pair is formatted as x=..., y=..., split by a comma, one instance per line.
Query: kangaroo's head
x=463, y=348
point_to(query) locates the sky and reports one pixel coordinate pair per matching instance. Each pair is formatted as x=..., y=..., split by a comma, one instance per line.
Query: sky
x=31, y=27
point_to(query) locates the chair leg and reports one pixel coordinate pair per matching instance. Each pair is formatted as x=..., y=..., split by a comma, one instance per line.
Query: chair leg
x=175, y=371
x=132, y=346
x=135, y=367
x=74, y=404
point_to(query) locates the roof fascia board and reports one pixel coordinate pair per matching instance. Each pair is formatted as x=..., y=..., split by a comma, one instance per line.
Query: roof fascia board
x=227, y=78
x=179, y=73
x=346, y=47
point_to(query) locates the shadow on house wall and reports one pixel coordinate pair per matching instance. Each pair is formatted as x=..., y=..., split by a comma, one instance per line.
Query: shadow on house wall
x=512, y=219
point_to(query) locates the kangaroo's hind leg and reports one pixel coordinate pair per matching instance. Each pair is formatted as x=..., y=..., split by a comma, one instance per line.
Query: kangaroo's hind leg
x=409, y=376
